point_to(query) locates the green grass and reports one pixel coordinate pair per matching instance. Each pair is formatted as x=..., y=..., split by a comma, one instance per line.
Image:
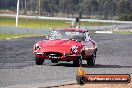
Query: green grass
x=33, y=23
x=94, y=23
x=18, y=35
x=123, y=32
x=37, y=23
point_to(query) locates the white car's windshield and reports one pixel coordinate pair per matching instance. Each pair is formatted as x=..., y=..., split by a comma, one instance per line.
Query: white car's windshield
x=67, y=34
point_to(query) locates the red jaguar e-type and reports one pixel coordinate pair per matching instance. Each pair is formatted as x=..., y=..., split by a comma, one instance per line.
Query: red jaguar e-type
x=69, y=44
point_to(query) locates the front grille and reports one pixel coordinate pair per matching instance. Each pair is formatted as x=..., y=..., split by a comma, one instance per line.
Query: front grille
x=57, y=54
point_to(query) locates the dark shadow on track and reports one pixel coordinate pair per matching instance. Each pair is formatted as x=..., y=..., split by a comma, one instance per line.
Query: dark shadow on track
x=23, y=65
x=95, y=66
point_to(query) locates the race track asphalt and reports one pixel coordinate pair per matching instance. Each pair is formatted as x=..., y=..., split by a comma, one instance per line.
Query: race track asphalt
x=17, y=66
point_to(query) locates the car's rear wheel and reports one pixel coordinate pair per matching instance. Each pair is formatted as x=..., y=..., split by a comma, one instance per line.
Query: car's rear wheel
x=91, y=61
x=39, y=61
x=77, y=62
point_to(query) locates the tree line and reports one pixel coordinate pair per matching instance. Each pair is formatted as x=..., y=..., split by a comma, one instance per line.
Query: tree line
x=100, y=9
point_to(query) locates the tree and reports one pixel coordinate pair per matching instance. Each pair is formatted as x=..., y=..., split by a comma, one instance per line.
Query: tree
x=104, y=9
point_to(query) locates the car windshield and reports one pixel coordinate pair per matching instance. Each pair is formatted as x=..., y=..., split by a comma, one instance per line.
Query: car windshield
x=67, y=34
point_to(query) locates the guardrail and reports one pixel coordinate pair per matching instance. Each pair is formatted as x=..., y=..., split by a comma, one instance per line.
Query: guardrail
x=22, y=30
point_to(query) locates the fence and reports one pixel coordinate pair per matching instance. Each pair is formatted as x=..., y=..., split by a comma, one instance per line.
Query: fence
x=22, y=30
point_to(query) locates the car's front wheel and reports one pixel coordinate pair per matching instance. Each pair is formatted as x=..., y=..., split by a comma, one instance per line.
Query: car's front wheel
x=39, y=61
x=77, y=62
x=91, y=61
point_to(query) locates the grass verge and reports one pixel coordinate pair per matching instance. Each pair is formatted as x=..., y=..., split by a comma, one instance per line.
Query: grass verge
x=122, y=32
x=44, y=23
x=18, y=35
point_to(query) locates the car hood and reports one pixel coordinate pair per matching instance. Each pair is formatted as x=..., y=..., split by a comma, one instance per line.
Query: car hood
x=59, y=45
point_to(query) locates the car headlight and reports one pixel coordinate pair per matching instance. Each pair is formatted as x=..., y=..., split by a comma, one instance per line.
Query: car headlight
x=74, y=49
x=37, y=46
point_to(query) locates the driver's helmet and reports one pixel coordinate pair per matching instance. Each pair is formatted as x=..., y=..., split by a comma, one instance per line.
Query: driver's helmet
x=88, y=37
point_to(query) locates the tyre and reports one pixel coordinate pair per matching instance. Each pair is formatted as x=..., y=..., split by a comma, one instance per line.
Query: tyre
x=91, y=61
x=77, y=62
x=81, y=79
x=39, y=61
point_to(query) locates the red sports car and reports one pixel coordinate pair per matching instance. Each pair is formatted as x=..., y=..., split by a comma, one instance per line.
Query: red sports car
x=69, y=44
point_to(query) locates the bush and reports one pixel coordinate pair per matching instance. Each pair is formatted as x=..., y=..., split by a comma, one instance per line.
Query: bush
x=130, y=17
x=125, y=18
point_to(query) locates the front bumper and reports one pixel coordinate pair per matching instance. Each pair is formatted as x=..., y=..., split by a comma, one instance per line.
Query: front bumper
x=65, y=57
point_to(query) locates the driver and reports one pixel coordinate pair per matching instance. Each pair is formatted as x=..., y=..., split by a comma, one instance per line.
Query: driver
x=55, y=35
